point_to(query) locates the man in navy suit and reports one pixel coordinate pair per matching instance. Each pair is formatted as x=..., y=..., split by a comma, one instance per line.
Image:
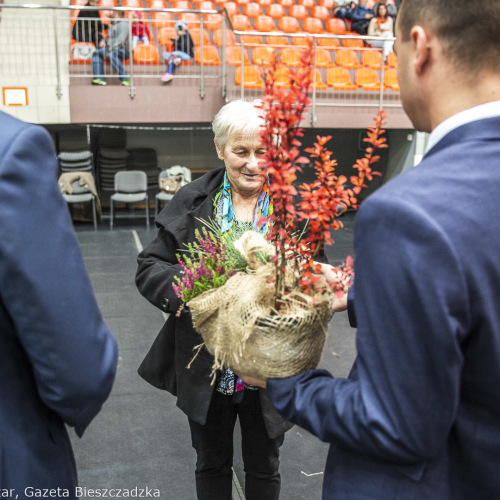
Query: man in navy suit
x=57, y=357
x=419, y=415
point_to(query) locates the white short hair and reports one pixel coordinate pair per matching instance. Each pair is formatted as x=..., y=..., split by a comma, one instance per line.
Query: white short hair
x=237, y=117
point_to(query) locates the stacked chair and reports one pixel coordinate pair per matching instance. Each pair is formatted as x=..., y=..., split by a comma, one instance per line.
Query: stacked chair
x=145, y=159
x=76, y=174
x=112, y=157
x=74, y=151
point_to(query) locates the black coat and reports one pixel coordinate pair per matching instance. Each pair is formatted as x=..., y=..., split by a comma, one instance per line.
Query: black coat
x=88, y=27
x=165, y=365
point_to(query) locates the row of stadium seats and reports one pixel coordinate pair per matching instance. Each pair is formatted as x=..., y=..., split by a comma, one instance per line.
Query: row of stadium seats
x=336, y=77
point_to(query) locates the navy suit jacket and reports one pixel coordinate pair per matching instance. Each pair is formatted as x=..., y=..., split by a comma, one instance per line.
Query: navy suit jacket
x=419, y=415
x=57, y=358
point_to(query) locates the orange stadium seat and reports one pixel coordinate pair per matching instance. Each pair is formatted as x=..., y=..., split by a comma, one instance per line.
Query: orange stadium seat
x=302, y=41
x=277, y=40
x=371, y=59
x=162, y=20
x=182, y=4
x=157, y=4
x=391, y=79
x=367, y=78
x=134, y=4
x=392, y=60
x=339, y=79
x=252, y=10
x=312, y=25
x=233, y=56
x=264, y=3
x=191, y=18
x=335, y=26
x=240, y=22
x=251, y=40
x=205, y=5
x=291, y=56
x=289, y=24
x=286, y=3
x=231, y=8
x=327, y=3
x=263, y=56
x=230, y=37
x=275, y=10
x=242, y=2
x=213, y=21
x=319, y=84
x=353, y=43
x=298, y=11
x=264, y=23
x=251, y=78
x=328, y=42
x=196, y=36
x=323, y=59
x=146, y=54
x=346, y=59
x=165, y=36
x=282, y=78
x=209, y=56
x=307, y=3
x=320, y=12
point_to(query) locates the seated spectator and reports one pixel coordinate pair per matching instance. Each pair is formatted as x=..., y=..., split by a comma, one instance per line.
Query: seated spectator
x=116, y=50
x=392, y=10
x=342, y=9
x=383, y=26
x=140, y=30
x=183, y=50
x=360, y=18
x=88, y=26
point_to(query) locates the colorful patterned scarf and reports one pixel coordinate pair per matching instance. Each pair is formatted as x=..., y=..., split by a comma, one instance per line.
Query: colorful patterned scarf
x=223, y=208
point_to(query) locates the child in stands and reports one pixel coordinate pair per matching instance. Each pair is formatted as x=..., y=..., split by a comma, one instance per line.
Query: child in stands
x=140, y=30
x=183, y=50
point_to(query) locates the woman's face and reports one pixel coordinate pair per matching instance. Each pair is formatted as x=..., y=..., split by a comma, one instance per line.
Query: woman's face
x=382, y=10
x=243, y=158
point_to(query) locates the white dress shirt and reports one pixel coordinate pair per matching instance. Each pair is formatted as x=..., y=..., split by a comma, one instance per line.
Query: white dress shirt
x=481, y=112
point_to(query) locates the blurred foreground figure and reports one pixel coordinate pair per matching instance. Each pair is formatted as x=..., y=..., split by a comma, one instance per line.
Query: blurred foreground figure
x=419, y=415
x=57, y=358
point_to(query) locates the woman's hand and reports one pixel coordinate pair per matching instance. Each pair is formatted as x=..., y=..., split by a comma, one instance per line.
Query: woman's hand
x=333, y=276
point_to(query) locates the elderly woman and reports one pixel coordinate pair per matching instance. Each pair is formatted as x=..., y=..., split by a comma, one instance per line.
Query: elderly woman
x=235, y=194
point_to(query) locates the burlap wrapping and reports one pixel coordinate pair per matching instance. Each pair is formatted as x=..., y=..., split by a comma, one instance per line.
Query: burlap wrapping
x=241, y=329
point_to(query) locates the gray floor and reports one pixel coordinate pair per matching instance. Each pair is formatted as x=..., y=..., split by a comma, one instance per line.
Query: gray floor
x=141, y=439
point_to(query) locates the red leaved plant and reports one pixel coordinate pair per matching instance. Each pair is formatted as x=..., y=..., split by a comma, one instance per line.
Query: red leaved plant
x=322, y=199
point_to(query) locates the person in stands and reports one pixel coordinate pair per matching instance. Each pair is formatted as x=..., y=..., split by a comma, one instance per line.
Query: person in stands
x=140, y=30
x=382, y=26
x=116, y=50
x=183, y=50
x=88, y=26
x=360, y=17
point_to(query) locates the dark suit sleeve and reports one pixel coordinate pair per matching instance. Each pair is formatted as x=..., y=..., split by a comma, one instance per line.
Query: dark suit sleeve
x=45, y=287
x=412, y=309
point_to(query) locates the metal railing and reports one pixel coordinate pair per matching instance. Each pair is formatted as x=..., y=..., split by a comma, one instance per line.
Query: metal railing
x=36, y=43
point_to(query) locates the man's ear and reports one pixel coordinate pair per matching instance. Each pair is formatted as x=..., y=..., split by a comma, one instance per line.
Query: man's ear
x=422, y=49
x=219, y=152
